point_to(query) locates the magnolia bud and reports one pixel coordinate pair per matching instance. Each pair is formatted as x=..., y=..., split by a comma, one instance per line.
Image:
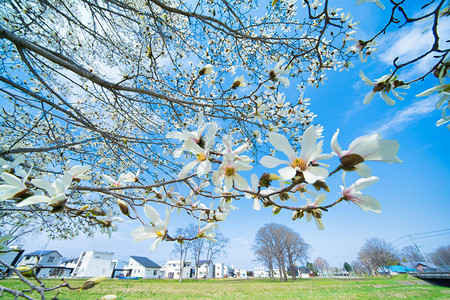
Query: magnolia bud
x=320, y=184
x=90, y=283
x=97, y=212
x=123, y=207
x=276, y=210
x=298, y=214
x=236, y=84
x=267, y=178
x=379, y=87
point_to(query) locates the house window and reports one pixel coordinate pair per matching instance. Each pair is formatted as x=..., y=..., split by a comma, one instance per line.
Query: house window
x=154, y=272
x=51, y=258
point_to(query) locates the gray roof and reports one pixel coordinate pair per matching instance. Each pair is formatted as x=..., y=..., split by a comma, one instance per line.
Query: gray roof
x=41, y=253
x=144, y=261
x=201, y=262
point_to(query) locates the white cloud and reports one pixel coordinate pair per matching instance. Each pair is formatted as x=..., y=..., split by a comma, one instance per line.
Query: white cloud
x=411, y=41
x=401, y=119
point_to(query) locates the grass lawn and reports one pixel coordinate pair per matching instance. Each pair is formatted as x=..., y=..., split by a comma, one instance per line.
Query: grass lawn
x=401, y=286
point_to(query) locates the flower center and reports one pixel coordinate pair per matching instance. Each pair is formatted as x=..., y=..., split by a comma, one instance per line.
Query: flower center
x=299, y=163
x=201, y=156
x=229, y=171
x=159, y=234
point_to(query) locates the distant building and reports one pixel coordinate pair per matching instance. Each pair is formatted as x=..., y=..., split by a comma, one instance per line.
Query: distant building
x=260, y=272
x=143, y=267
x=420, y=266
x=220, y=270
x=94, y=263
x=171, y=270
x=70, y=264
x=240, y=273
x=205, y=269
x=120, y=268
x=48, y=263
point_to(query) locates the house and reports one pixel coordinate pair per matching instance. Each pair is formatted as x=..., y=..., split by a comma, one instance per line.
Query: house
x=48, y=263
x=205, y=269
x=11, y=258
x=394, y=270
x=419, y=266
x=120, y=268
x=70, y=264
x=240, y=273
x=143, y=267
x=260, y=272
x=220, y=270
x=93, y=264
x=171, y=270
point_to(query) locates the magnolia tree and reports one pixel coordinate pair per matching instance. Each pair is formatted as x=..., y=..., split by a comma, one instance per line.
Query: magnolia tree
x=116, y=106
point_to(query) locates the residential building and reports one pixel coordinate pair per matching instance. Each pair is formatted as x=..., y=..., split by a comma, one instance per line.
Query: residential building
x=172, y=270
x=205, y=269
x=47, y=263
x=220, y=270
x=260, y=272
x=94, y=263
x=69, y=264
x=143, y=267
x=240, y=273
x=420, y=266
x=120, y=268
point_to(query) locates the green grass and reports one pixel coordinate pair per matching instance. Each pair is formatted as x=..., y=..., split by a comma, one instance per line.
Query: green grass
x=398, y=287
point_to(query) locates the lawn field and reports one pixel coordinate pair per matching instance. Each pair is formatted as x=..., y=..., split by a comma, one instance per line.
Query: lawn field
x=398, y=287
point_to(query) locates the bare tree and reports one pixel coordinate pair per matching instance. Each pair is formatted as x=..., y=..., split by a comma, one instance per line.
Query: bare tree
x=215, y=249
x=182, y=247
x=320, y=264
x=377, y=253
x=441, y=257
x=277, y=243
x=411, y=253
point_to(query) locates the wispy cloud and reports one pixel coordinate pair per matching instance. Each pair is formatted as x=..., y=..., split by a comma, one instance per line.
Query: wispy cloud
x=401, y=119
x=410, y=42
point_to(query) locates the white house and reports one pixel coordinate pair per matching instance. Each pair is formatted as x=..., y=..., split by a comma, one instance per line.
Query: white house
x=94, y=263
x=220, y=270
x=205, y=269
x=172, y=270
x=260, y=272
x=143, y=267
x=69, y=266
x=240, y=273
x=48, y=263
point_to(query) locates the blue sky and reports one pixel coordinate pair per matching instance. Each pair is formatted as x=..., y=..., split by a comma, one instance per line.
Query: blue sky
x=413, y=195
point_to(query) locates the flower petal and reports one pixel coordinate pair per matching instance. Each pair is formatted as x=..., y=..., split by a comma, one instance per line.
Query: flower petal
x=272, y=162
x=281, y=143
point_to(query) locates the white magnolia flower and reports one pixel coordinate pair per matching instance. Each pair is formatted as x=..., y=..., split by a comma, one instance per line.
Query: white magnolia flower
x=365, y=148
x=239, y=82
x=158, y=229
x=365, y=202
x=235, y=153
x=185, y=136
x=201, y=153
x=56, y=191
x=306, y=162
x=207, y=69
x=316, y=213
x=377, y=2
x=362, y=47
x=109, y=227
x=383, y=86
x=196, y=188
x=278, y=70
x=13, y=187
x=78, y=172
x=206, y=232
x=226, y=202
x=8, y=166
x=444, y=101
x=228, y=171
x=257, y=111
x=254, y=189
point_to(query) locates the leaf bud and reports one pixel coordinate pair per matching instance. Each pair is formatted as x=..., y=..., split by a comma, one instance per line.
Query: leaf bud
x=276, y=210
x=298, y=214
x=267, y=178
x=320, y=184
